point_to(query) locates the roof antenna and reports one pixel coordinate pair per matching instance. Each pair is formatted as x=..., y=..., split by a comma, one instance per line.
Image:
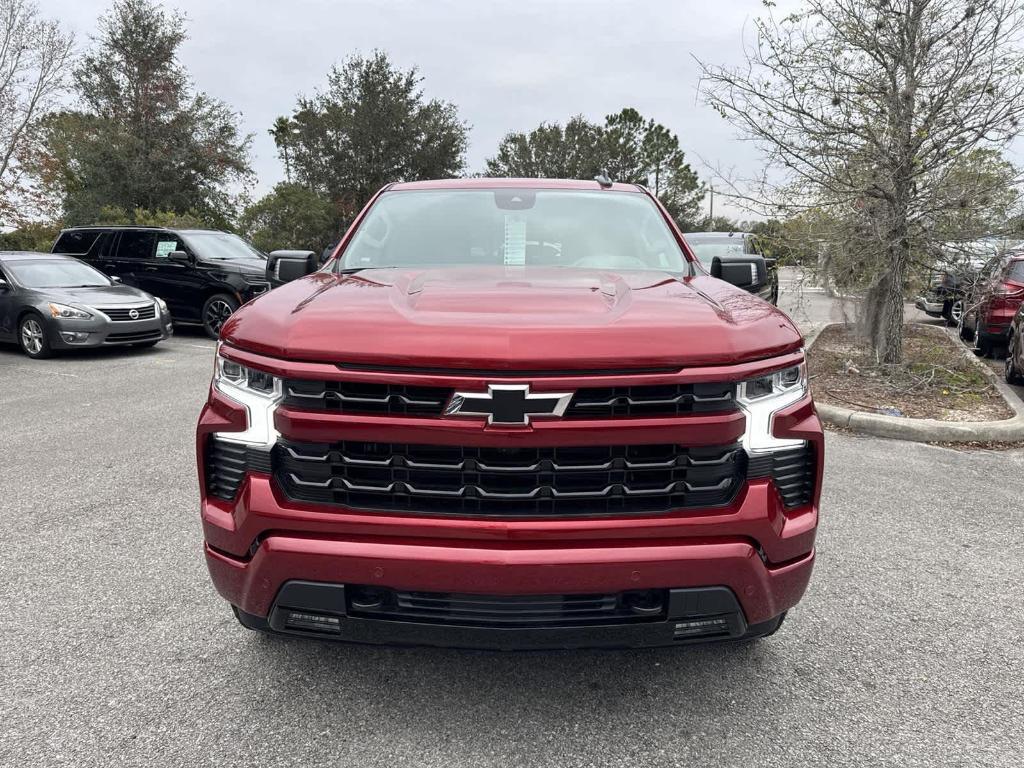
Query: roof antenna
x=603, y=179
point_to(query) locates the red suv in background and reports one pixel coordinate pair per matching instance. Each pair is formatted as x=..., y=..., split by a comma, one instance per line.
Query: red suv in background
x=993, y=305
x=511, y=414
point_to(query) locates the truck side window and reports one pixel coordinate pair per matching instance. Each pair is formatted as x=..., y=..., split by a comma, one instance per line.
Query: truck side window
x=165, y=243
x=77, y=242
x=136, y=245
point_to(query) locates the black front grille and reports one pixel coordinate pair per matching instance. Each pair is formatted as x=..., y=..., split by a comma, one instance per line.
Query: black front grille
x=355, y=397
x=510, y=482
x=648, y=400
x=121, y=338
x=507, y=611
x=794, y=471
x=227, y=463
x=123, y=314
x=589, y=402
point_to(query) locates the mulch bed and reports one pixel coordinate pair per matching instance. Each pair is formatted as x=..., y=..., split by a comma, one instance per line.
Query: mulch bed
x=935, y=380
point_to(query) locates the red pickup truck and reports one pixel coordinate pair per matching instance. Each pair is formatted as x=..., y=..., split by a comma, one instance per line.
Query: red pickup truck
x=511, y=414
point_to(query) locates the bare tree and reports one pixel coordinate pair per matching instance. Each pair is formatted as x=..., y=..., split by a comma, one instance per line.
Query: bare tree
x=866, y=110
x=35, y=59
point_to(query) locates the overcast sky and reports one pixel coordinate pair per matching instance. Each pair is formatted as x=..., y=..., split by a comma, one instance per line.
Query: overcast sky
x=507, y=65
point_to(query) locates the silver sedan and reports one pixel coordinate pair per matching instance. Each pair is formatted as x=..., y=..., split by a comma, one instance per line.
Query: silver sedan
x=50, y=303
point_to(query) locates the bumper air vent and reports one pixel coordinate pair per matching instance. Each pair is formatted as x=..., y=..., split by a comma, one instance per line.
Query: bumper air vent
x=507, y=611
x=794, y=472
x=227, y=463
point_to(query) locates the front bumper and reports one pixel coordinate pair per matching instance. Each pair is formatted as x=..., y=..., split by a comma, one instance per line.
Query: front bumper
x=259, y=541
x=98, y=331
x=761, y=553
x=323, y=611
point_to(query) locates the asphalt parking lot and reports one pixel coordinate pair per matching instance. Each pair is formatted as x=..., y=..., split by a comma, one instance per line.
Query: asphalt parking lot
x=908, y=649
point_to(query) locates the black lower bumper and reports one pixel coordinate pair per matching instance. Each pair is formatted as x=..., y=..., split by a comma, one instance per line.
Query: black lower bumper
x=322, y=611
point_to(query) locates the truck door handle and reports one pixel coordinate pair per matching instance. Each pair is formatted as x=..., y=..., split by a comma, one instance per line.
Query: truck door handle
x=151, y=269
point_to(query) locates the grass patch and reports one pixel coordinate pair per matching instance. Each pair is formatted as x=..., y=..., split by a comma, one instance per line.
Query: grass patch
x=935, y=380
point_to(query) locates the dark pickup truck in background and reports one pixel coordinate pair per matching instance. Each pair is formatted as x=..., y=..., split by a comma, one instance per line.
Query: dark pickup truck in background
x=717, y=249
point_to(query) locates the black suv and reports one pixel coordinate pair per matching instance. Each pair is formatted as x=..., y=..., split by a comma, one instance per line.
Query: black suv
x=203, y=275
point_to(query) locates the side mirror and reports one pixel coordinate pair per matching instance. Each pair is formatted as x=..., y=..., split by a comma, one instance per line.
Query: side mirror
x=285, y=266
x=116, y=280
x=747, y=272
x=180, y=257
x=4, y=285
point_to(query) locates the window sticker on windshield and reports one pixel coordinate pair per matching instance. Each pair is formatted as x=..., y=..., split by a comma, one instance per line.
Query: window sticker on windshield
x=515, y=241
x=164, y=247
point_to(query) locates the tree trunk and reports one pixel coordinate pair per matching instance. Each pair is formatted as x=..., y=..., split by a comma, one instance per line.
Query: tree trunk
x=887, y=330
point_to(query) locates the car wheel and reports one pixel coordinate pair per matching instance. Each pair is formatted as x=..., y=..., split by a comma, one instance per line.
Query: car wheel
x=1012, y=374
x=984, y=348
x=32, y=337
x=966, y=332
x=955, y=314
x=217, y=309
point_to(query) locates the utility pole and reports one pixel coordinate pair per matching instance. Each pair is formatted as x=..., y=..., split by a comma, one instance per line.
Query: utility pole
x=711, y=210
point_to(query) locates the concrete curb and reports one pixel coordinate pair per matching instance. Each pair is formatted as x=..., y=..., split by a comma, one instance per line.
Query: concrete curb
x=930, y=430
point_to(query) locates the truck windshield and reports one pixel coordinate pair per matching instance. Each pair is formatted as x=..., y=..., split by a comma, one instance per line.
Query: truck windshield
x=221, y=246
x=51, y=273
x=512, y=228
x=707, y=250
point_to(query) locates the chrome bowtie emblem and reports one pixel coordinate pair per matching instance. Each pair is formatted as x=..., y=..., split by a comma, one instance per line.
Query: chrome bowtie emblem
x=133, y=314
x=508, y=404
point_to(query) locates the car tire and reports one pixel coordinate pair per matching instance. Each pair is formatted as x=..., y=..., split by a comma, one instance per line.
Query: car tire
x=954, y=313
x=966, y=332
x=216, y=310
x=983, y=347
x=1010, y=370
x=32, y=337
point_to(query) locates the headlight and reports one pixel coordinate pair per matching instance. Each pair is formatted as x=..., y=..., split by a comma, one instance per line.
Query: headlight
x=161, y=306
x=257, y=390
x=68, y=313
x=257, y=284
x=761, y=398
x=237, y=376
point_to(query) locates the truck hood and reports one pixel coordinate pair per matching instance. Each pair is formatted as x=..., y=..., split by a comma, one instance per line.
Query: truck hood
x=515, y=319
x=239, y=266
x=96, y=296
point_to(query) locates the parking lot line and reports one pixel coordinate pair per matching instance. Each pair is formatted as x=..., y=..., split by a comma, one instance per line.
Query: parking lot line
x=45, y=371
